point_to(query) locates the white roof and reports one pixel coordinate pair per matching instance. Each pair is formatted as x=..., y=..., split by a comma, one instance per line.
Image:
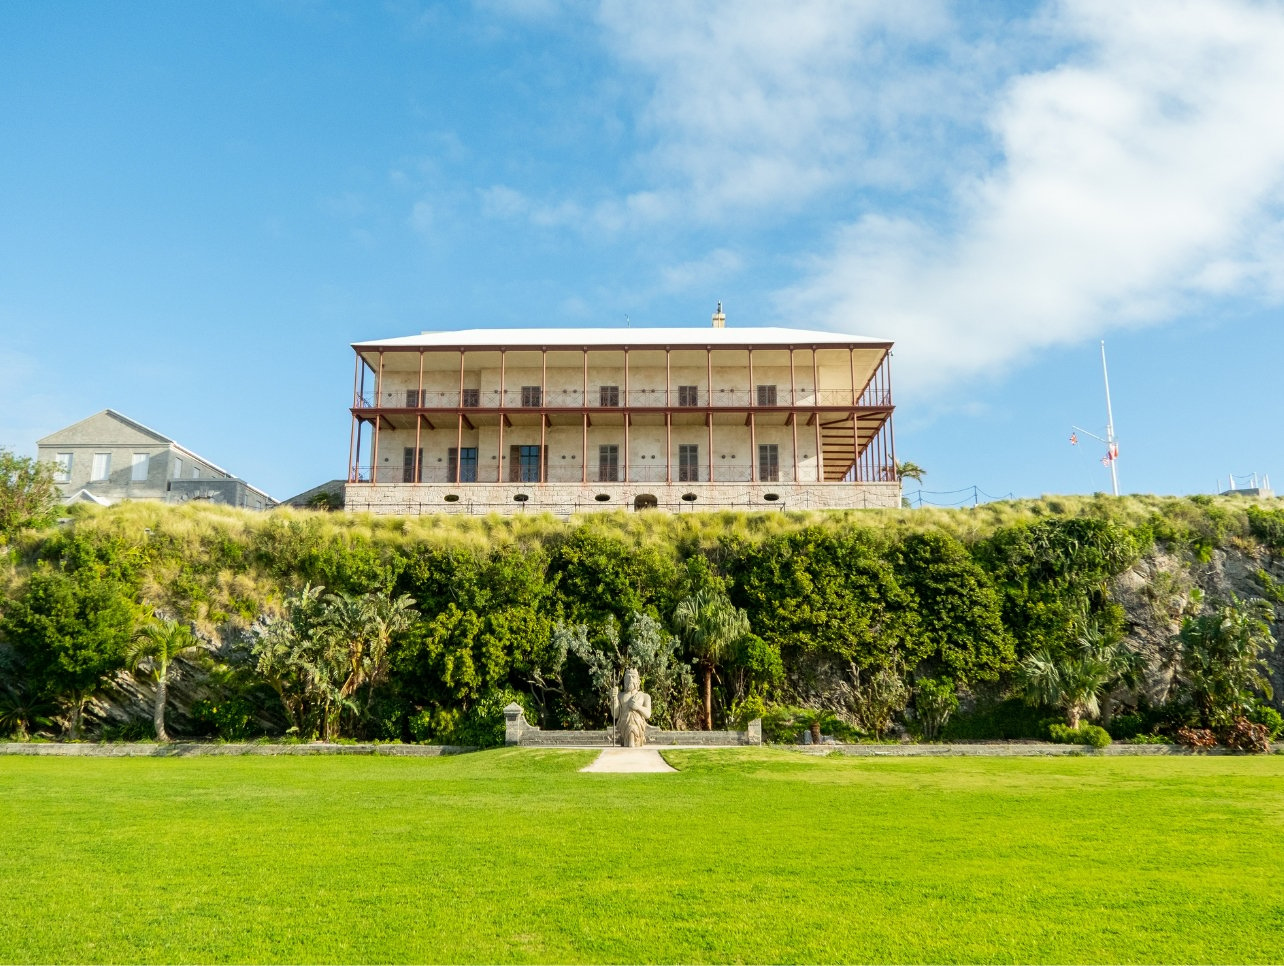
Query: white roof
x=621, y=336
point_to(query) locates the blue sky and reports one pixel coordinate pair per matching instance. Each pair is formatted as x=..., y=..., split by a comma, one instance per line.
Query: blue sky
x=202, y=205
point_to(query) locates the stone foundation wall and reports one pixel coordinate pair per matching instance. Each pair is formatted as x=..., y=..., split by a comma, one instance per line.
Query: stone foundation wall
x=565, y=499
x=518, y=731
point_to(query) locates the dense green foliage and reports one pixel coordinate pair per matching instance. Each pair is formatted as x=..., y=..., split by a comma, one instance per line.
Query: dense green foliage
x=515, y=856
x=422, y=629
x=28, y=496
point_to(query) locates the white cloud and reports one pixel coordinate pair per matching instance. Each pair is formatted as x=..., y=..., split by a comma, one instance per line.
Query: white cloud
x=421, y=217
x=704, y=272
x=1136, y=177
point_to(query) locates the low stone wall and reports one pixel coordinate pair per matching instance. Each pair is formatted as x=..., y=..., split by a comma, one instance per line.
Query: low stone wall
x=566, y=499
x=535, y=738
x=518, y=731
x=1033, y=749
x=189, y=749
x=696, y=739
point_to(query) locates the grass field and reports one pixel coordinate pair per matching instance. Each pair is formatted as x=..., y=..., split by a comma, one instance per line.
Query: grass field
x=757, y=855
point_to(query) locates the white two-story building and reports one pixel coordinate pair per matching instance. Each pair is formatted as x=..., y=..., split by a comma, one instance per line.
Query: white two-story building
x=569, y=420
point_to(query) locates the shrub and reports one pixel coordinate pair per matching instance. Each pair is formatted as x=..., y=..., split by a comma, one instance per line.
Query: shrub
x=935, y=701
x=1085, y=734
x=231, y=718
x=1269, y=718
x=1010, y=720
x=1200, y=739
x=1244, y=735
x=1149, y=740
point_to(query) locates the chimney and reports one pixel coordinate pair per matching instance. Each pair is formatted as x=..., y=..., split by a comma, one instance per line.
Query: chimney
x=719, y=320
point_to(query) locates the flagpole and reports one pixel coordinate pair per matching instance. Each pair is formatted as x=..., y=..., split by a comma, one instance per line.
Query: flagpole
x=1110, y=423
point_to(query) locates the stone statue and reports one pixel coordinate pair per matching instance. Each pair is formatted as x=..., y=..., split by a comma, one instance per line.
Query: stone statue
x=630, y=708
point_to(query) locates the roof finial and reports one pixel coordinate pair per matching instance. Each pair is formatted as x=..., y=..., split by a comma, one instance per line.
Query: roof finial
x=719, y=320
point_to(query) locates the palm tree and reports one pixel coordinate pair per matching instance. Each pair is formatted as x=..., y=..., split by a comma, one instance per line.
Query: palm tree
x=1221, y=662
x=1075, y=680
x=159, y=642
x=710, y=626
x=21, y=709
x=910, y=471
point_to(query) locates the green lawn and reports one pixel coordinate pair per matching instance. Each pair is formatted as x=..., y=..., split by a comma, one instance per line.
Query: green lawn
x=757, y=855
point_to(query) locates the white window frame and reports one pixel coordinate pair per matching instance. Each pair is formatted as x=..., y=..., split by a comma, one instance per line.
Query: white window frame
x=140, y=465
x=62, y=467
x=100, y=468
x=178, y=467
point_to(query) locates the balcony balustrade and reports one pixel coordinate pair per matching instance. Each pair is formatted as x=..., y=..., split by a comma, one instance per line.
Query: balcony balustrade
x=595, y=399
x=569, y=472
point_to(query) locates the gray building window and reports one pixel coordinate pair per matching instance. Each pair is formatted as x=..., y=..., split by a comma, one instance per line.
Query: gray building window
x=138, y=468
x=101, y=467
x=531, y=396
x=608, y=396
x=608, y=463
x=769, y=462
x=62, y=468
x=766, y=395
x=688, y=463
x=472, y=398
x=688, y=395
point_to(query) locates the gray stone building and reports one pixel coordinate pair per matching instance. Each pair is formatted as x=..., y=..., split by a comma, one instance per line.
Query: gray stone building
x=109, y=457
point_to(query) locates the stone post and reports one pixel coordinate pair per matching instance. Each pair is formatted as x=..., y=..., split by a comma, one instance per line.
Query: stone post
x=515, y=724
x=753, y=734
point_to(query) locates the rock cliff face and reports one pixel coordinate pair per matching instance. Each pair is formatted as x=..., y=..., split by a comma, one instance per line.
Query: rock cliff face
x=1156, y=592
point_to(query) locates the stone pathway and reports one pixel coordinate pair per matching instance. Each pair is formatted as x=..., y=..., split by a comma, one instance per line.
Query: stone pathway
x=629, y=760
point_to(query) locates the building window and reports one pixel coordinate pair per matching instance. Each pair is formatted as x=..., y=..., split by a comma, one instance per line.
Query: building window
x=688, y=395
x=531, y=396
x=409, y=465
x=196, y=472
x=138, y=468
x=768, y=461
x=766, y=395
x=608, y=463
x=412, y=398
x=466, y=459
x=62, y=468
x=101, y=468
x=178, y=468
x=688, y=463
x=472, y=398
x=608, y=396
x=524, y=464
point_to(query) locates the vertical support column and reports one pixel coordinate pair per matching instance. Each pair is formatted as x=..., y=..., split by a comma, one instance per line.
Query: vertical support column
x=416, y=473
x=752, y=399
x=462, y=353
x=628, y=415
x=668, y=447
x=374, y=469
x=851, y=360
x=708, y=402
x=668, y=378
x=753, y=447
x=820, y=451
x=352, y=436
x=793, y=414
x=459, y=450
x=416, y=469
x=543, y=415
x=891, y=433
x=709, y=422
x=499, y=471
x=584, y=455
